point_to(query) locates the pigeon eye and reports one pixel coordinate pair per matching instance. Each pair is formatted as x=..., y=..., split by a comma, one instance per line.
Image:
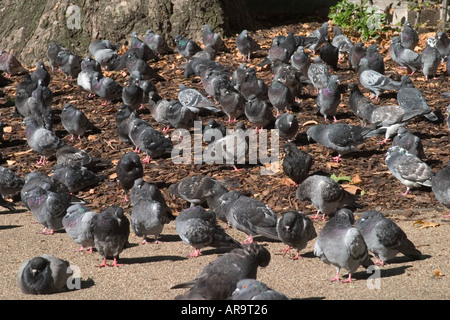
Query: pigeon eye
x=244, y=286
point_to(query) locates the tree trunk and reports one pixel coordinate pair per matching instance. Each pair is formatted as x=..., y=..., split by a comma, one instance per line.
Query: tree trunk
x=26, y=27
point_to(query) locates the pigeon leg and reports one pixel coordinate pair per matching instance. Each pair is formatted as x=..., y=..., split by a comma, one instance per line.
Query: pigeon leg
x=379, y=262
x=447, y=216
x=195, y=254
x=51, y=232
x=147, y=159
x=236, y=169
x=72, y=138
x=144, y=241
x=115, y=264
x=249, y=239
x=165, y=129
x=316, y=216
x=103, y=264
x=349, y=279
x=406, y=192
x=336, y=159
x=383, y=141
x=336, y=277
x=288, y=248
x=41, y=161
x=297, y=256
x=105, y=103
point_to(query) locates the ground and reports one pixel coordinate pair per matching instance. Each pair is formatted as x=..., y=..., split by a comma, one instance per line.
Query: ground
x=149, y=271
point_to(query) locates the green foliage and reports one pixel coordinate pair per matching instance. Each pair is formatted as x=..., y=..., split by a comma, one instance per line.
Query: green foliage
x=362, y=18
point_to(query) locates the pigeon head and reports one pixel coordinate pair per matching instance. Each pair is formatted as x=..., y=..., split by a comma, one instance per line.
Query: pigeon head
x=431, y=41
x=37, y=265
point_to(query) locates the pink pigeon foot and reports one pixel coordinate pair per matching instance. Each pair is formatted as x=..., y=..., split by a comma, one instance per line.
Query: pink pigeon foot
x=51, y=232
x=447, y=216
x=284, y=251
x=249, y=239
x=349, y=279
x=405, y=193
x=195, y=254
x=147, y=159
x=336, y=278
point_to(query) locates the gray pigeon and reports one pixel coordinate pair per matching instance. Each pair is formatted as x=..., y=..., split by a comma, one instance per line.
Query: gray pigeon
x=192, y=98
x=10, y=185
x=447, y=112
x=218, y=279
x=144, y=51
x=45, y=274
x=213, y=131
x=280, y=97
x=443, y=44
x=357, y=52
x=77, y=223
x=430, y=58
x=41, y=140
x=249, y=215
x=108, y=59
x=100, y=44
x=409, y=142
x=134, y=64
x=88, y=67
x=128, y=169
x=148, y=217
x=158, y=112
x=149, y=90
x=68, y=63
x=41, y=73
x=329, y=54
x=253, y=85
x=213, y=81
x=143, y=190
x=342, y=245
x=276, y=52
x=342, y=138
x=246, y=45
x=52, y=53
x=10, y=65
x=325, y=194
x=179, y=116
x=296, y=163
x=295, y=229
x=376, y=60
x=259, y=112
x=318, y=73
x=341, y=41
x=133, y=94
x=328, y=98
x=70, y=155
x=406, y=58
x=320, y=34
x=238, y=76
x=232, y=103
x=251, y=289
x=198, y=228
x=384, y=238
x=105, y=87
x=156, y=43
x=440, y=185
x=43, y=94
x=186, y=47
x=198, y=65
x=76, y=177
x=408, y=36
x=111, y=229
x=75, y=121
x=214, y=39
x=287, y=126
x=408, y=169
x=375, y=81
x=410, y=98
x=30, y=106
x=301, y=61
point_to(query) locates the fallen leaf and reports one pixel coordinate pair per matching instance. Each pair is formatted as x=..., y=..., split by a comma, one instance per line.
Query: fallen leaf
x=437, y=273
x=112, y=176
x=356, y=179
x=331, y=165
x=426, y=224
x=11, y=162
x=310, y=122
x=341, y=178
x=7, y=129
x=351, y=188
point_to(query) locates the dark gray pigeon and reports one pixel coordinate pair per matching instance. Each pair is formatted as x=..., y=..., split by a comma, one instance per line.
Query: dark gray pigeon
x=259, y=112
x=106, y=87
x=328, y=98
x=406, y=58
x=41, y=73
x=357, y=52
x=384, y=238
x=443, y=44
x=408, y=169
x=213, y=131
x=149, y=90
x=287, y=126
x=10, y=65
x=133, y=95
x=246, y=45
x=325, y=194
x=10, y=184
x=198, y=228
x=29, y=106
x=430, y=58
x=318, y=73
x=77, y=223
x=134, y=64
x=158, y=112
x=342, y=138
x=75, y=122
x=329, y=54
x=214, y=39
x=238, y=76
x=143, y=190
x=144, y=51
x=295, y=229
x=76, y=177
x=69, y=155
x=320, y=34
x=276, y=52
x=376, y=60
x=374, y=81
x=249, y=215
x=179, y=116
x=218, y=279
x=280, y=97
x=148, y=217
x=342, y=245
x=410, y=142
x=198, y=65
x=440, y=185
x=301, y=61
x=409, y=37
x=410, y=98
x=108, y=59
x=253, y=85
x=43, y=94
x=296, y=163
x=45, y=274
x=52, y=54
x=41, y=140
x=251, y=289
x=291, y=78
x=111, y=229
x=68, y=63
x=100, y=44
x=232, y=103
x=192, y=98
x=341, y=41
x=156, y=43
x=186, y=47
x=128, y=169
x=214, y=80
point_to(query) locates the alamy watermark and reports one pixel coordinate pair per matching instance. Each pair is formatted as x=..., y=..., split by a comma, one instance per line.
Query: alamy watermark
x=73, y=17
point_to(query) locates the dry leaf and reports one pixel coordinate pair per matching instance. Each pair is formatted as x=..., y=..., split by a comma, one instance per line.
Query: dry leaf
x=92, y=137
x=7, y=129
x=426, y=224
x=112, y=176
x=11, y=162
x=351, y=188
x=310, y=122
x=437, y=273
x=356, y=179
x=331, y=165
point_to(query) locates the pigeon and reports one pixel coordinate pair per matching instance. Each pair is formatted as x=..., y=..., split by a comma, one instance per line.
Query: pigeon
x=158, y=112
x=108, y=59
x=430, y=58
x=133, y=95
x=341, y=41
x=156, y=43
x=248, y=215
x=10, y=184
x=325, y=194
x=213, y=130
x=447, y=112
x=328, y=98
x=143, y=190
x=301, y=61
x=342, y=245
x=253, y=85
x=295, y=229
x=258, y=112
x=406, y=58
x=69, y=155
x=409, y=142
x=76, y=122
x=43, y=94
x=144, y=51
x=408, y=169
x=238, y=76
x=290, y=43
x=440, y=185
x=329, y=54
x=198, y=65
x=280, y=97
x=41, y=73
x=88, y=67
x=41, y=140
x=76, y=177
x=148, y=217
x=443, y=44
x=213, y=81
x=411, y=98
x=111, y=229
x=192, y=98
x=106, y=88
x=209, y=37
x=186, y=47
x=375, y=81
x=320, y=34
x=45, y=274
x=376, y=60
x=77, y=223
x=291, y=78
x=232, y=103
x=287, y=125
x=48, y=200
x=134, y=64
x=276, y=52
x=318, y=73
x=101, y=44
x=219, y=278
x=179, y=116
x=296, y=163
x=357, y=52
x=246, y=45
x=384, y=238
x=149, y=90
x=251, y=289
x=342, y=138
x=10, y=65
x=69, y=64
x=128, y=169
x=52, y=54
x=408, y=36
x=198, y=228
x=392, y=45
x=29, y=106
